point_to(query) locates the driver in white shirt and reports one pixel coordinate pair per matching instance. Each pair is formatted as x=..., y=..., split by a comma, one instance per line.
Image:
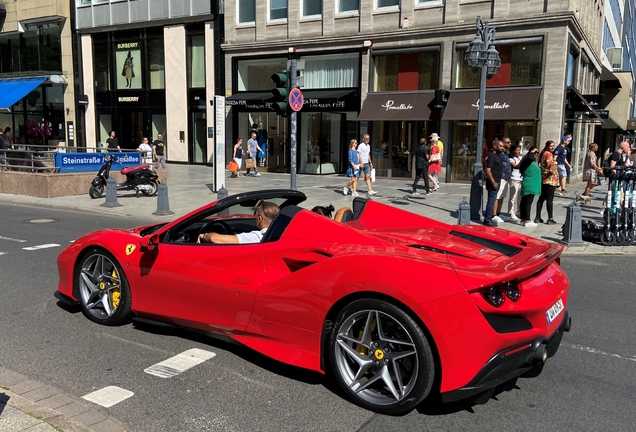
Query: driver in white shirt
x=264, y=214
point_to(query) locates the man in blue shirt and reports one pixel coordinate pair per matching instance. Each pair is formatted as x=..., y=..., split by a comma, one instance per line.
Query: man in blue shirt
x=563, y=166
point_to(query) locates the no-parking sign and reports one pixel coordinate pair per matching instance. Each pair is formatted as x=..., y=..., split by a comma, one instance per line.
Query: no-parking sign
x=296, y=99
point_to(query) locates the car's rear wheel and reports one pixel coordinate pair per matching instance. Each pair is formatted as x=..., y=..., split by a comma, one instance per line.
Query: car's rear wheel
x=103, y=289
x=381, y=357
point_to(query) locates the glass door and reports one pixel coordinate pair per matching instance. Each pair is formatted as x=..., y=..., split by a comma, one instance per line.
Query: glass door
x=320, y=143
x=132, y=130
x=199, y=144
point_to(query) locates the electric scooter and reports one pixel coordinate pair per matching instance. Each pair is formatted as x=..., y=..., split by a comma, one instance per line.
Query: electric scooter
x=140, y=178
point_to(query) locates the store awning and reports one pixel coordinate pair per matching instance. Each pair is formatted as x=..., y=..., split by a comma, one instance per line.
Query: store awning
x=14, y=89
x=578, y=103
x=397, y=106
x=248, y=98
x=335, y=99
x=500, y=104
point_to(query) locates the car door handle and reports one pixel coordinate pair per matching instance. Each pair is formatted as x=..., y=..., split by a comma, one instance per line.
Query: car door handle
x=242, y=281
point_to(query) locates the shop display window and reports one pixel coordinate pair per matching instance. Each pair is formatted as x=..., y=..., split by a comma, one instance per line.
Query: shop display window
x=404, y=72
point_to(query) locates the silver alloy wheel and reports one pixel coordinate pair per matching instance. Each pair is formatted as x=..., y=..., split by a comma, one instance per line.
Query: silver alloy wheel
x=376, y=357
x=100, y=286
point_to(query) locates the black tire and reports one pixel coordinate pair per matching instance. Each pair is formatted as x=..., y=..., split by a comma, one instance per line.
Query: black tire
x=102, y=288
x=153, y=192
x=96, y=191
x=607, y=238
x=397, y=341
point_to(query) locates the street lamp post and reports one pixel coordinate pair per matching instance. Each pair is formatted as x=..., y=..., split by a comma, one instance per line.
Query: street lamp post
x=481, y=55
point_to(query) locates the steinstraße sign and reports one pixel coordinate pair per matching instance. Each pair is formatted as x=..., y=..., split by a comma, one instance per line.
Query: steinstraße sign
x=86, y=162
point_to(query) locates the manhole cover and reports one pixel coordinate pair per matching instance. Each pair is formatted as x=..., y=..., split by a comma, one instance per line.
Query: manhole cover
x=40, y=221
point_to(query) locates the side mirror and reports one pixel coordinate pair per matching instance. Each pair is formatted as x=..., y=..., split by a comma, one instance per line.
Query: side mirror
x=150, y=243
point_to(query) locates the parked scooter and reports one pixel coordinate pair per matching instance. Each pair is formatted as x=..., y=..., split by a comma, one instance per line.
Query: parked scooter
x=140, y=178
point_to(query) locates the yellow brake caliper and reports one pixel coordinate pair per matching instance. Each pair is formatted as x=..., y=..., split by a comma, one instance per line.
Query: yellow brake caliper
x=115, y=293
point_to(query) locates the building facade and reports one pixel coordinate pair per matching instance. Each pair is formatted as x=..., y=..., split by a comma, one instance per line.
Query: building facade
x=149, y=67
x=395, y=69
x=37, y=86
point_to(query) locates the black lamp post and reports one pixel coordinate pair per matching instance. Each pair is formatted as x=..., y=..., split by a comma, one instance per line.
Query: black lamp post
x=481, y=55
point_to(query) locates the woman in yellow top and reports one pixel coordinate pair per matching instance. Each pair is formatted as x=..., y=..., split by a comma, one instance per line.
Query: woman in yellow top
x=549, y=182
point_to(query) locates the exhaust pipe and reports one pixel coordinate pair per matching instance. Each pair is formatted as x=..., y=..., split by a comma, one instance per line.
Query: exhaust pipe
x=568, y=324
x=541, y=354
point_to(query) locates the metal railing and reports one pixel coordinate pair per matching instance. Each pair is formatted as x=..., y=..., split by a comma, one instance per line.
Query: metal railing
x=40, y=158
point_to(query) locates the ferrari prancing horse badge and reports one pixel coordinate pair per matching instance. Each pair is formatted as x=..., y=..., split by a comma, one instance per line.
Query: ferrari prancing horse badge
x=130, y=249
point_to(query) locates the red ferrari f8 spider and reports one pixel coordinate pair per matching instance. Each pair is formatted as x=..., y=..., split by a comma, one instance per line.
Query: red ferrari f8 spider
x=395, y=305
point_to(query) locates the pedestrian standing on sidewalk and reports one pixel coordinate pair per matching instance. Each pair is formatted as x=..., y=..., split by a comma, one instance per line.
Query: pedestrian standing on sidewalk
x=494, y=171
x=421, y=167
x=504, y=184
x=112, y=143
x=434, y=164
x=549, y=182
x=530, y=185
x=353, y=169
x=590, y=170
x=159, y=151
x=562, y=161
x=252, y=149
x=146, y=151
x=440, y=145
x=366, y=165
x=515, y=181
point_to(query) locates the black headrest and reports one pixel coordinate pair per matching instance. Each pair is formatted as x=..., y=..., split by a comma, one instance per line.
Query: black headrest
x=280, y=223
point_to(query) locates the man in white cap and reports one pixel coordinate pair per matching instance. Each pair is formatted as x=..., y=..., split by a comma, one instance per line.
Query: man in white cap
x=435, y=140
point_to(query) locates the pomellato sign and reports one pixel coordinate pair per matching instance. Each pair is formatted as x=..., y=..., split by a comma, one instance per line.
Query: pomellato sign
x=390, y=105
x=496, y=105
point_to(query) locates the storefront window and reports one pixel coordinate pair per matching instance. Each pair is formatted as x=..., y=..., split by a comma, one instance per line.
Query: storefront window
x=128, y=64
x=331, y=71
x=403, y=72
x=520, y=65
x=271, y=134
x=30, y=50
x=157, y=65
x=255, y=75
x=51, y=57
x=195, y=58
x=321, y=147
x=101, y=66
x=38, y=48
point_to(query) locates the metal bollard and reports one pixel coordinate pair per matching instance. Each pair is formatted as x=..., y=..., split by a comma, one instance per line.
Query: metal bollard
x=163, y=206
x=572, y=228
x=111, y=193
x=463, y=216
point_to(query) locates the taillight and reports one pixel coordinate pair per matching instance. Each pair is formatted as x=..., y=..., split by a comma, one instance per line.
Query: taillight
x=496, y=295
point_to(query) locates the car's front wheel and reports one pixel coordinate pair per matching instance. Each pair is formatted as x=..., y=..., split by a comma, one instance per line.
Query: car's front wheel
x=103, y=289
x=381, y=357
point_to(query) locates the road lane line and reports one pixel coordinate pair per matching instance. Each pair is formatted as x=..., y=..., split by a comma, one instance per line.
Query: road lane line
x=108, y=396
x=179, y=363
x=4, y=253
x=598, y=351
x=43, y=246
x=12, y=239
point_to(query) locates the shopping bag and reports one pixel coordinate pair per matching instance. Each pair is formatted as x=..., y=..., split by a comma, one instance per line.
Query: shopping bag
x=250, y=163
x=373, y=175
x=232, y=166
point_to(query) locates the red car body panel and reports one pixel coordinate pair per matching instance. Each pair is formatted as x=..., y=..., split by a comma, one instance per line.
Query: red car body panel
x=276, y=297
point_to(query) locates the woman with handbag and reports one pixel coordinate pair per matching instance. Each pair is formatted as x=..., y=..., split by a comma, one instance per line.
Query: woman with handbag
x=435, y=164
x=238, y=157
x=353, y=170
x=590, y=172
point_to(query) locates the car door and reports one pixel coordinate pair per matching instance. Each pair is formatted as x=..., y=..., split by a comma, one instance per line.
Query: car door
x=206, y=286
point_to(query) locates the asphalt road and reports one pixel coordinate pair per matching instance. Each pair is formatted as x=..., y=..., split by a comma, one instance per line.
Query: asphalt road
x=588, y=385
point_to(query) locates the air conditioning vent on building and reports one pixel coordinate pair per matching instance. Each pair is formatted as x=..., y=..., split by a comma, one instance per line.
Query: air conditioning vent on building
x=615, y=56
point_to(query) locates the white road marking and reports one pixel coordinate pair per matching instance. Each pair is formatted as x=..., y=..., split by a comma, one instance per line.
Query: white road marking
x=179, y=363
x=44, y=246
x=12, y=239
x=601, y=352
x=108, y=396
x=3, y=253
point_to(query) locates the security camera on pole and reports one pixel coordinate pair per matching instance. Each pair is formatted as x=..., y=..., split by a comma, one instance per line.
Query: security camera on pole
x=481, y=55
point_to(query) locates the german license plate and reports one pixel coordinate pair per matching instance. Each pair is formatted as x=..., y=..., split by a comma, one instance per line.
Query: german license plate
x=554, y=311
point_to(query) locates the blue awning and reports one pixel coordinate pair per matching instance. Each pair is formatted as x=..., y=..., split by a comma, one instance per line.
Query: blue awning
x=14, y=89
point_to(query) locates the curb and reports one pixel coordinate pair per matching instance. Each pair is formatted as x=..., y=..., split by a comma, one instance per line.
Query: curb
x=49, y=406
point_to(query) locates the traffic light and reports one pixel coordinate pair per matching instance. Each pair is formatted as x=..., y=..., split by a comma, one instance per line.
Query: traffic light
x=281, y=93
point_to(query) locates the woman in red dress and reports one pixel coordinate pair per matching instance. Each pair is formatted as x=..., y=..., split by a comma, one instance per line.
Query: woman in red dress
x=435, y=165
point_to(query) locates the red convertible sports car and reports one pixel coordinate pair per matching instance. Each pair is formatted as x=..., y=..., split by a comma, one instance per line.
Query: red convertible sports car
x=394, y=305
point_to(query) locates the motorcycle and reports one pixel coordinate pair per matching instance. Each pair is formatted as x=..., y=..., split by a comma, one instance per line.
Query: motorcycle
x=139, y=178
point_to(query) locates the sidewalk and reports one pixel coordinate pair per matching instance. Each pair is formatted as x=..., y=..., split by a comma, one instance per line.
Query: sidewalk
x=188, y=190
x=27, y=405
